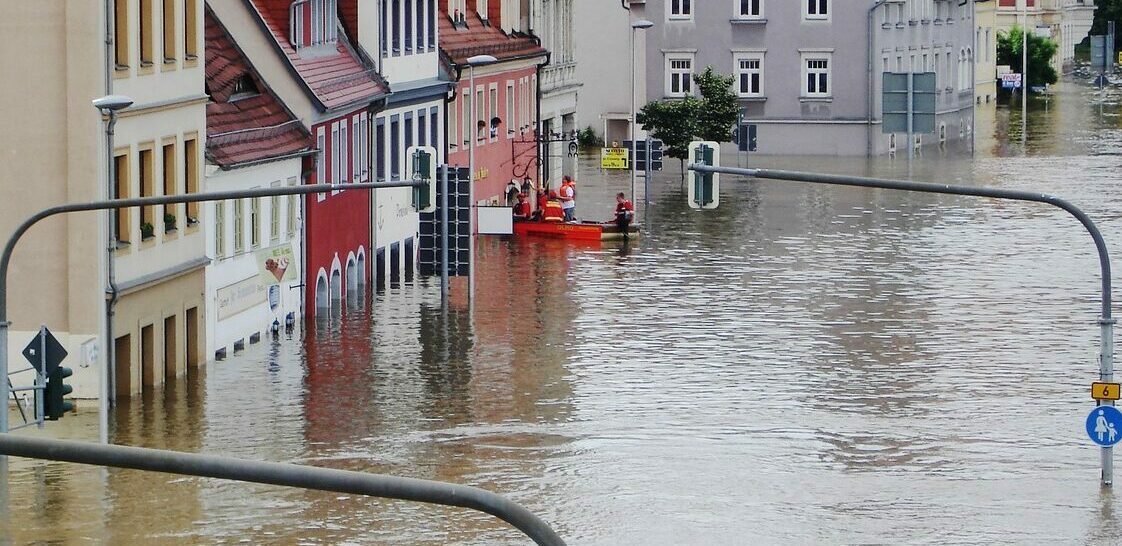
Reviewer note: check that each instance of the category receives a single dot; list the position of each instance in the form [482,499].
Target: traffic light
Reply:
[422,160]
[704,188]
[53,404]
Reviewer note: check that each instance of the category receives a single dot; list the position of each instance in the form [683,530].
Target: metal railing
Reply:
[284,474]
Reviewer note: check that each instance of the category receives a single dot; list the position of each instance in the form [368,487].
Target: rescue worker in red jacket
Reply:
[553,211]
[625,213]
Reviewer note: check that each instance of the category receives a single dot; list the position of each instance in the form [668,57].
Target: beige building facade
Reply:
[985,48]
[60,274]
[1067,22]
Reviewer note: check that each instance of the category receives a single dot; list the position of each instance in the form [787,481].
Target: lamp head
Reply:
[112,103]
[642,24]
[480,60]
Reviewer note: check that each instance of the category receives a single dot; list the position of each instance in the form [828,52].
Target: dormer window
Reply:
[244,88]
[313,23]
[457,9]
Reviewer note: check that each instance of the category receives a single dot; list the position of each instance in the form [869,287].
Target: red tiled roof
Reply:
[250,129]
[335,80]
[480,39]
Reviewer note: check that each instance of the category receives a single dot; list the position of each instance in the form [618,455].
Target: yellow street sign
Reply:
[613,158]
[1106,391]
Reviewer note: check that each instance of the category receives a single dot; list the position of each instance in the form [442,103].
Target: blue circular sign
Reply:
[1104,425]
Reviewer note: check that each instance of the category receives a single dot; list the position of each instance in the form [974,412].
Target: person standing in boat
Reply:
[625,213]
[568,196]
[521,209]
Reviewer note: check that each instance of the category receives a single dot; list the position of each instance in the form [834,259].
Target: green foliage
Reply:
[1108,10]
[587,138]
[677,122]
[1040,53]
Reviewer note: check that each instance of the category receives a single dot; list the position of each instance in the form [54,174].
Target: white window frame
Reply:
[290,215]
[219,229]
[812,10]
[467,130]
[321,160]
[671,72]
[239,226]
[684,10]
[740,59]
[356,157]
[805,58]
[344,152]
[738,9]
[509,109]
[492,109]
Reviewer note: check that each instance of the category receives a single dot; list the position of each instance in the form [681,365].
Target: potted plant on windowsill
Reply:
[147,231]
[170,223]
[192,221]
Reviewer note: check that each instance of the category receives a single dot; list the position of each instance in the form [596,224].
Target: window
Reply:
[147,213]
[396,8]
[191,29]
[121,34]
[169,31]
[434,128]
[344,152]
[680,74]
[422,128]
[817,70]
[509,109]
[290,218]
[383,37]
[219,229]
[274,217]
[408,132]
[409,26]
[432,24]
[465,112]
[255,222]
[239,225]
[749,9]
[395,148]
[333,175]
[313,22]
[244,87]
[321,159]
[749,75]
[171,212]
[817,9]
[191,176]
[145,32]
[453,127]
[480,113]
[419,22]
[493,105]
[121,191]
[681,9]
[356,157]
[380,151]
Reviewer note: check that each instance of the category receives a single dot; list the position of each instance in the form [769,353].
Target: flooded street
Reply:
[805,364]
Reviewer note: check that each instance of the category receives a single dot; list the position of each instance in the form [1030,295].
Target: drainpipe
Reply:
[110,370]
[869,101]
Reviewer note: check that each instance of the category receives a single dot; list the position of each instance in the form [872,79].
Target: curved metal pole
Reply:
[291,475]
[1106,321]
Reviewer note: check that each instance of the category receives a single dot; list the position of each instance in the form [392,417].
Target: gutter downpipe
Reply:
[107,377]
[872,81]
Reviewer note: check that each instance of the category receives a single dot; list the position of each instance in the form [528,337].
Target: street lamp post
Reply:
[1024,77]
[641,24]
[108,105]
[472,62]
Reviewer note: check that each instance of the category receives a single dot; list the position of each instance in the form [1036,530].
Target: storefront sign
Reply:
[240,296]
[276,264]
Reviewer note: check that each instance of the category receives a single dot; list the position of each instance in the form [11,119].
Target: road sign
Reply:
[1011,81]
[1106,391]
[613,158]
[1104,425]
[55,353]
[641,153]
[908,95]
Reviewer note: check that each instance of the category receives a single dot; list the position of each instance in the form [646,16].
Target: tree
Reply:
[677,122]
[1107,10]
[1040,53]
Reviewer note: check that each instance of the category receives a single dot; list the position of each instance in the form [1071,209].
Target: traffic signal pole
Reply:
[1106,321]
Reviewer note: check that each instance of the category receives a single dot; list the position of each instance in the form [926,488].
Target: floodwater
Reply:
[805,364]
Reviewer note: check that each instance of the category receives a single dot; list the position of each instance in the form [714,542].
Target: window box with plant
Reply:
[147,231]
[170,223]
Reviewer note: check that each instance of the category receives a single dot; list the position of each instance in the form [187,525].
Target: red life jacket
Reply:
[553,211]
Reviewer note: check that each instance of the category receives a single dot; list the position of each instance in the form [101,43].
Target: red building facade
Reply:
[506,96]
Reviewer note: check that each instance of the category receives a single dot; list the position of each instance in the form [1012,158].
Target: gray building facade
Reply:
[808,72]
